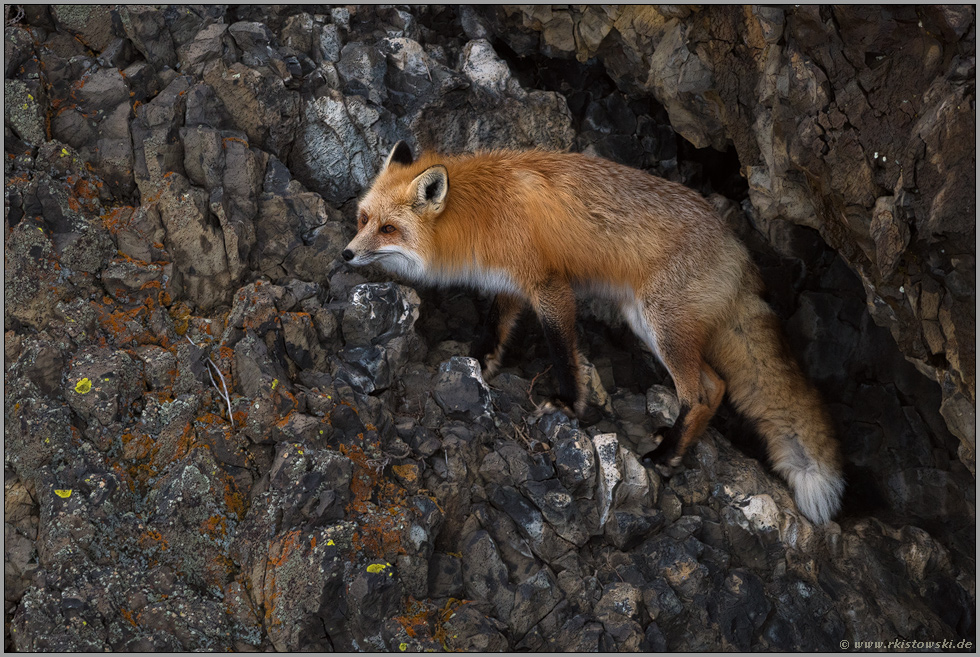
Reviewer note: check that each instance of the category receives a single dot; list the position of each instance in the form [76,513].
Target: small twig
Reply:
[520,433]
[533,381]
[378,465]
[224,388]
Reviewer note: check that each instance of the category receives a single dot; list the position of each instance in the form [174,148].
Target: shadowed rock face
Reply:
[219,437]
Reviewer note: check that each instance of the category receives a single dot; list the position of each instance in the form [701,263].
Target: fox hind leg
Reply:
[699,388]
[699,402]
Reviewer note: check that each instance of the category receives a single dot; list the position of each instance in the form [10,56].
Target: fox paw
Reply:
[544,408]
[663,456]
[491,365]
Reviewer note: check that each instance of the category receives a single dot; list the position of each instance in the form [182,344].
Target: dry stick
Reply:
[520,433]
[531,386]
[224,386]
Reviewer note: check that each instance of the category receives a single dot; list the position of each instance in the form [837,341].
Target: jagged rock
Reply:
[740,608]
[460,391]
[366,369]
[302,345]
[41,361]
[485,575]
[579,634]
[445,576]
[23,112]
[339,148]
[197,246]
[663,406]
[534,599]
[33,287]
[257,102]
[102,384]
[575,462]
[258,370]
[205,46]
[92,24]
[17,47]
[468,630]
[42,424]
[541,537]
[379,312]
[147,28]
[296,235]
[362,69]
[131,282]
[321,467]
[607,450]
[559,510]
[619,611]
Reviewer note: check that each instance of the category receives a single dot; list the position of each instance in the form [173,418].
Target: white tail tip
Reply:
[818,490]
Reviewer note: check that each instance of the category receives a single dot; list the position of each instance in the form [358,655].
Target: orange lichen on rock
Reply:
[128,327]
[187,441]
[444,615]
[417,619]
[181,315]
[364,479]
[152,538]
[279,551]
[379,505]
[235,502]
[380,534]
[216,527]
[408,472]
[128,615]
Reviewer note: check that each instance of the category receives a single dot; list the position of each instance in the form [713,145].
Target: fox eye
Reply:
[387,228]
[363,219]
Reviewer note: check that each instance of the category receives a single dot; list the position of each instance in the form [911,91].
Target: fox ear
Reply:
[400,154]
[430,188]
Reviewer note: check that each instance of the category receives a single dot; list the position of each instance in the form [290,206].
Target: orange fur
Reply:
[532,226]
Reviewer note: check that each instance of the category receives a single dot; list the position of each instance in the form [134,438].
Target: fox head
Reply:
[394,218]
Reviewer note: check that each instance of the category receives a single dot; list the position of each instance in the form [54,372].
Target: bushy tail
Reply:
[766,385]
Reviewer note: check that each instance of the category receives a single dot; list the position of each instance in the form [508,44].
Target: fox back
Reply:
[505,220]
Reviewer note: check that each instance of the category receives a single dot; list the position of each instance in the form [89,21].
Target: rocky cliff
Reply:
[218,436]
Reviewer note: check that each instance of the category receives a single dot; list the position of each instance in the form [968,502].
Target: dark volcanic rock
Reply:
[218,436]
[461,392]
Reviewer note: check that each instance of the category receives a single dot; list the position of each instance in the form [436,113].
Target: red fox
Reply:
[533,227]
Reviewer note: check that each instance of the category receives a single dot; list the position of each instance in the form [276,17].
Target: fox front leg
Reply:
[554,304]
[504,313]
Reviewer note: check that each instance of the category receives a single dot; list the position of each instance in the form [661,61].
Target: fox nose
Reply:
[348,255]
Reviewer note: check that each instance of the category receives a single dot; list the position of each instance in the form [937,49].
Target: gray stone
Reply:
[378,312]
[460,391]
[146,27]
[575,462]
[485,576]
[22,110]
[467,630]
[533,600]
